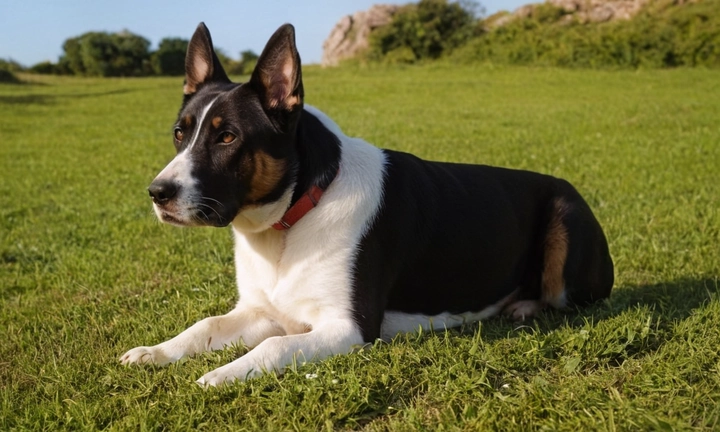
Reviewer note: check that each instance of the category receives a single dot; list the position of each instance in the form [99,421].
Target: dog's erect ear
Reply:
[201,63]
[277,75]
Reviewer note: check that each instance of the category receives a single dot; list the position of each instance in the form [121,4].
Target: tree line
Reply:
[125,54]
[666,33]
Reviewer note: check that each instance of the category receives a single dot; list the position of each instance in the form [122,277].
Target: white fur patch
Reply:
[399,322]
[199,123]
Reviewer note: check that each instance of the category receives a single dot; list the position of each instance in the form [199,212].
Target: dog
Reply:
[339,243]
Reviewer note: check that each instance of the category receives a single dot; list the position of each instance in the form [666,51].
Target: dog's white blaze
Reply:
[199,123]
[180,171]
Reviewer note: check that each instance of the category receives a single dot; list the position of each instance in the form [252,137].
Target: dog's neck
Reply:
[318,152]
[257,218]
[318,162]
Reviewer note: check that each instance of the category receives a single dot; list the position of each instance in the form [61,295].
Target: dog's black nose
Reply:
[162,191]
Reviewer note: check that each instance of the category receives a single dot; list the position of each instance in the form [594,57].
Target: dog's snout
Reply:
[162,191]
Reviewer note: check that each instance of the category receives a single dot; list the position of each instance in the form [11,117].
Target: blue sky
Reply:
[32,31]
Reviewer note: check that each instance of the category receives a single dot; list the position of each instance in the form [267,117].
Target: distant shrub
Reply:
[105,54]
[8,77]
[126,54]
[425,30]
[45,68]
[243,66]
[169,59]
[11,65]
[248,60]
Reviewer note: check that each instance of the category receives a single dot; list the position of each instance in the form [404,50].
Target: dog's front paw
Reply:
[212,379]
[141,355]
[228,374]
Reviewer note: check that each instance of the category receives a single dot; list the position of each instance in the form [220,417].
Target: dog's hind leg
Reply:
[576,265]
[554,257]
[587,272]
[246,324]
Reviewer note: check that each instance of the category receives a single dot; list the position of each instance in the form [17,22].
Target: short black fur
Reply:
[457,238]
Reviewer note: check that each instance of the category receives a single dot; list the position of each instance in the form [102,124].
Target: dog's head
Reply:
[235,142]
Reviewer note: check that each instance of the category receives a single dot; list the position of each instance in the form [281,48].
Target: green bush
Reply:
[104,54]
[169,59]
[11,65]
[8,77]
[46,68]
[426,30]
[243,66]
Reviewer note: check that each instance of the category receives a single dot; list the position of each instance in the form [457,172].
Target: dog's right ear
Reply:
[277,75]
[201,63]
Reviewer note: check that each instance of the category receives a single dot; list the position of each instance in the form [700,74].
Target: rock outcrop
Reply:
[600,10]
[583,11]
[350,35]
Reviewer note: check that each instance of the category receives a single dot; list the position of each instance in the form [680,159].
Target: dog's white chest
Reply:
[280,275]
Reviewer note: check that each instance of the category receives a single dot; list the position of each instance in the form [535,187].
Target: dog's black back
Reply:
[457,237]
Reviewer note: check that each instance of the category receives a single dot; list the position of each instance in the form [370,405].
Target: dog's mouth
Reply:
[171,219]
[191,217]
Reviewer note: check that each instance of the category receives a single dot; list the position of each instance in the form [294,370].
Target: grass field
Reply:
[86,272]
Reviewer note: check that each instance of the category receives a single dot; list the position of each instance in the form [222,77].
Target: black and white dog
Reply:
[337,242]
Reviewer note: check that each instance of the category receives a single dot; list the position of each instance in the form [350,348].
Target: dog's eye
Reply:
[178,134]
[227,137]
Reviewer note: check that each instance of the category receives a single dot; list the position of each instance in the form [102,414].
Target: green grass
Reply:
[86,272]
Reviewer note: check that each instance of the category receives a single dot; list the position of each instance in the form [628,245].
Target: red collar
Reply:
[306,203]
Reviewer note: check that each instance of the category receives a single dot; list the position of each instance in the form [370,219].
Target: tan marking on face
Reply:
[266,175]
[186,121]
[556,250]
[216,122]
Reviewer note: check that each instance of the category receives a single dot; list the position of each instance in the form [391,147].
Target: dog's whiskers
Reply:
[213,200]
[204,214]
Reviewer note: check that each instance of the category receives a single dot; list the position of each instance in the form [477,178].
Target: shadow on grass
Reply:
[670,301]
[676,299]
[48,99]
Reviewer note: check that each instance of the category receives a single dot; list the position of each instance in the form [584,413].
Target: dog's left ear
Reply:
[201,63]
[277,75]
